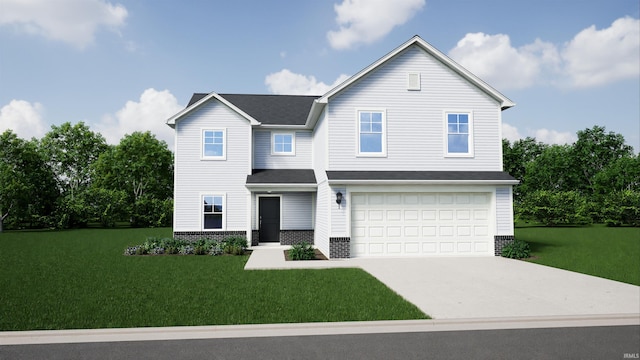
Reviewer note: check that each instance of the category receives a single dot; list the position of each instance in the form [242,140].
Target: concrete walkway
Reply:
[480,287]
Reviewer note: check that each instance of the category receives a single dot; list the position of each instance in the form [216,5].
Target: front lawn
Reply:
[80,279]
[608,252]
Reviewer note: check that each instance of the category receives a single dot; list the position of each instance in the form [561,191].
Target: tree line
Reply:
[72,178]
[594,180]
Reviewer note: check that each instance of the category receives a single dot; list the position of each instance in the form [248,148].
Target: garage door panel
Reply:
[396,224]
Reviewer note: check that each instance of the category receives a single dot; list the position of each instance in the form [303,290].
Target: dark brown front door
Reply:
[269,211]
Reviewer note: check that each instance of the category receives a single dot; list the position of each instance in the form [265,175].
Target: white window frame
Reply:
[383,153]
[224,210]
[469,152]
[224,144]
[283,153]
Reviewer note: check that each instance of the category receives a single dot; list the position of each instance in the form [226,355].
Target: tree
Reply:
[593,152]
[552,170]
[27,185]
[516,157]
[621,174]
[142,166]
[70,150]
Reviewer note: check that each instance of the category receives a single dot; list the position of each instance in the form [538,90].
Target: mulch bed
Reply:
[319,255]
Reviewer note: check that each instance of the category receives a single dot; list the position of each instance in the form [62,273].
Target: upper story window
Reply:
[371,133]
[283,144]
[214,144]
[213,211]
[459,134]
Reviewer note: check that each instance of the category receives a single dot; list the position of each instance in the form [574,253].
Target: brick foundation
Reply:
[339,247]
[501,241]
[210,235]
[292,237]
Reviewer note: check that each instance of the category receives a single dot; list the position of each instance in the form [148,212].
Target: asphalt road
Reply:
[610,342]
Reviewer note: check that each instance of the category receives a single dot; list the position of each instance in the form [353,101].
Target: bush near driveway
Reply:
[79,279]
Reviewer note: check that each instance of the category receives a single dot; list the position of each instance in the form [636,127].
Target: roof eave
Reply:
[422,182]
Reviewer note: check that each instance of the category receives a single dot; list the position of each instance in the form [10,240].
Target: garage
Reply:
[421,224]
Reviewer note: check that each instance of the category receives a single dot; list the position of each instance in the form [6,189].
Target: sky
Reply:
[128,65]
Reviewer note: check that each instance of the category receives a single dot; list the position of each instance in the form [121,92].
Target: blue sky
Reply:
[122,66]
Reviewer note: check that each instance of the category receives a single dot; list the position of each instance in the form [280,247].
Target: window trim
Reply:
[383,153]
[470,152]
[224,144]
[293,143]
[224,210]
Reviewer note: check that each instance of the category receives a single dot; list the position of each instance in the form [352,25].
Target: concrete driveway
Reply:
[481,287]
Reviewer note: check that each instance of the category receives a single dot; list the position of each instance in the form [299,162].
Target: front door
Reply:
[269,211]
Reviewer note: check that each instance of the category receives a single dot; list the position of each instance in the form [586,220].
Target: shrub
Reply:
[622,208]
[234,245]
[518,249]
[303,251]
[554,208]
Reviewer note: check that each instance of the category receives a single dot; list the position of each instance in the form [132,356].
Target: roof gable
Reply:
[198,100]
[505,102]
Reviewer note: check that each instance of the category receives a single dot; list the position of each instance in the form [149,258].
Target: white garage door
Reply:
[397,224]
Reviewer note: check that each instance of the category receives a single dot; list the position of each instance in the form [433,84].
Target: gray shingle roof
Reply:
[421,175]
[269,109]
[281,176]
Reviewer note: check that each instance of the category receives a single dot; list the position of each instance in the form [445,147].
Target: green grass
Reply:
[611,253]
[80,279]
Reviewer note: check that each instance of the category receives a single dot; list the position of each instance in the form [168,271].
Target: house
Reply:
[402,159]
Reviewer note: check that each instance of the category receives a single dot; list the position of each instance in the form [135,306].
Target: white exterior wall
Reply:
[263,159]
[504,211]
[322,205]
[195,177]
[322,226]
[414,119]
[297,211]
[339,214]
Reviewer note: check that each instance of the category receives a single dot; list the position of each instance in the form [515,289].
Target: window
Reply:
[459,140]
[371,137]
[413,81]
[213,144]
[283,144]
[213,209]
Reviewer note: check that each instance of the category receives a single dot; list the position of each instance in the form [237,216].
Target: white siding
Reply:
[321,233]
[264,160]
[195,177]
[504,211]
[339,214]
[297,211]
[415,119]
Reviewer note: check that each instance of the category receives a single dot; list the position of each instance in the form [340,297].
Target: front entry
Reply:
[269,212]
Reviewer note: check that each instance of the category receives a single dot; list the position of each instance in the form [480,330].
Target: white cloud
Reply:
[365,21]
[493,59]
[287,82]
[23,118]
[510,133]
[594,57]
[546,136]
[148,114]
[71,21]
[552,136]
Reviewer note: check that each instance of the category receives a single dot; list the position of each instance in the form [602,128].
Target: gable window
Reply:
[213,211]
[214,144]
[371,133]
[283,144]
[459,139]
